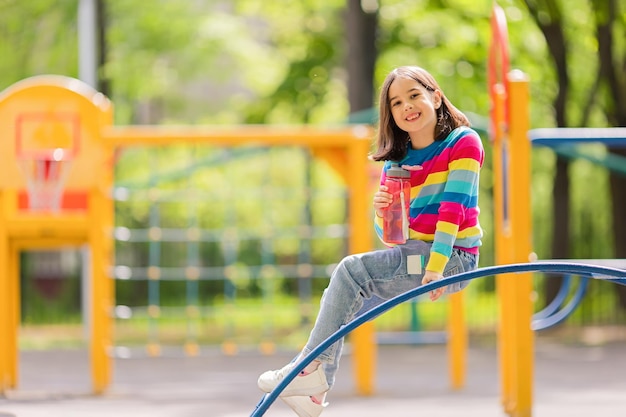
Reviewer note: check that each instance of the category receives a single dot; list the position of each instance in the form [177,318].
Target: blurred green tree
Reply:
[253,61]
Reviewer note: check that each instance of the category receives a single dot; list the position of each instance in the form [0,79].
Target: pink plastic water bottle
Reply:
[396,216]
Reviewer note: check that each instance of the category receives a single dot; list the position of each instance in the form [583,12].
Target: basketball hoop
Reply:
[46,173]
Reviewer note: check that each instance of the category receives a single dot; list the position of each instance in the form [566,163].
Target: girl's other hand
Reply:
[382,199]
[430,276]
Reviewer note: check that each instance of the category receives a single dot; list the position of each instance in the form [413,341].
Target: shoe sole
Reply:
[318,385]
[294,404]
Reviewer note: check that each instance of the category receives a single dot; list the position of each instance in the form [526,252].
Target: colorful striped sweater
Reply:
[444,195]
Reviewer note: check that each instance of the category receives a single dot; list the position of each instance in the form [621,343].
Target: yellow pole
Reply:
[457,342]
[100,238]
[513,245]
[503,239]
[4,300]
[107,254]
[521,225]
[14,313]
[506,347]
[364,338]
[100,294]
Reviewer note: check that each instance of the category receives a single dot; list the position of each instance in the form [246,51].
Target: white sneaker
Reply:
[304,406]
[310,384]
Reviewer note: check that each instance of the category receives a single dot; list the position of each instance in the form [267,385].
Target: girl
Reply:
[420,129]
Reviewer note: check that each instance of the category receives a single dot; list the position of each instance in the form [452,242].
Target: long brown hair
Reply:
[392,142]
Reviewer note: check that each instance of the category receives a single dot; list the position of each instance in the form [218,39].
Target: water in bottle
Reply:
[396,216]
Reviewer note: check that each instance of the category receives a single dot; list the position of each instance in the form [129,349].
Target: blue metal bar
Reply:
[612,136]
[558,300]
[564,313]
[614,275]
[613,162]
[564,140]
[561,315]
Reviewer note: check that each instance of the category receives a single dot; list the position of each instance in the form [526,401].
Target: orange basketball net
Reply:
[45,175]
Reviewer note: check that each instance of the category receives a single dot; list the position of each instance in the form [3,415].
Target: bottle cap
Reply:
[396,171]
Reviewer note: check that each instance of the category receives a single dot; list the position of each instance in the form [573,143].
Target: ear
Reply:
[437,99]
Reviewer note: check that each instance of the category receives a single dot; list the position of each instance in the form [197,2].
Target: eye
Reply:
[414,96]
[395,103]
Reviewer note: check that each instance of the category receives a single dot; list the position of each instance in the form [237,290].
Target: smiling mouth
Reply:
[412,117]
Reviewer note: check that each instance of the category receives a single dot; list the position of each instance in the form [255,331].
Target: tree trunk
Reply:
[103,82]
[561,235]
[547,15]
[361,56]
[561,209]
[613,79]
[618,192]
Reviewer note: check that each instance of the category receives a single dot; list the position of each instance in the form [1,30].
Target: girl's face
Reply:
[414,108]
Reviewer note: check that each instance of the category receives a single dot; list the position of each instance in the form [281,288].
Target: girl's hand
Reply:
[382,199]
[430,276]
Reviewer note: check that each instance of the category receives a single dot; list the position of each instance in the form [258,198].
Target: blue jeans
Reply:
[361,282]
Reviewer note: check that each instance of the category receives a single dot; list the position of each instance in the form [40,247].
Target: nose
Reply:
[408,106]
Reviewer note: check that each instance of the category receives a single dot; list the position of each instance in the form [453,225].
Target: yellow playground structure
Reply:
[57,156]
[56,177]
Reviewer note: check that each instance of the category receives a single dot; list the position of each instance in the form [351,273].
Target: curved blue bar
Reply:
[614,275]
[558,300]
[561,315]
[555,313]
[612,136]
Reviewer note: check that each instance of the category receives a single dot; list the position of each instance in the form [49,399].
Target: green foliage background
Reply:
[272,62]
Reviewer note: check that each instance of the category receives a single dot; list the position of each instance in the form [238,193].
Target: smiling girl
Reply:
[420,129]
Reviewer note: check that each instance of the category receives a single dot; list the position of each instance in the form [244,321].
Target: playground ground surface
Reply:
[573,380]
